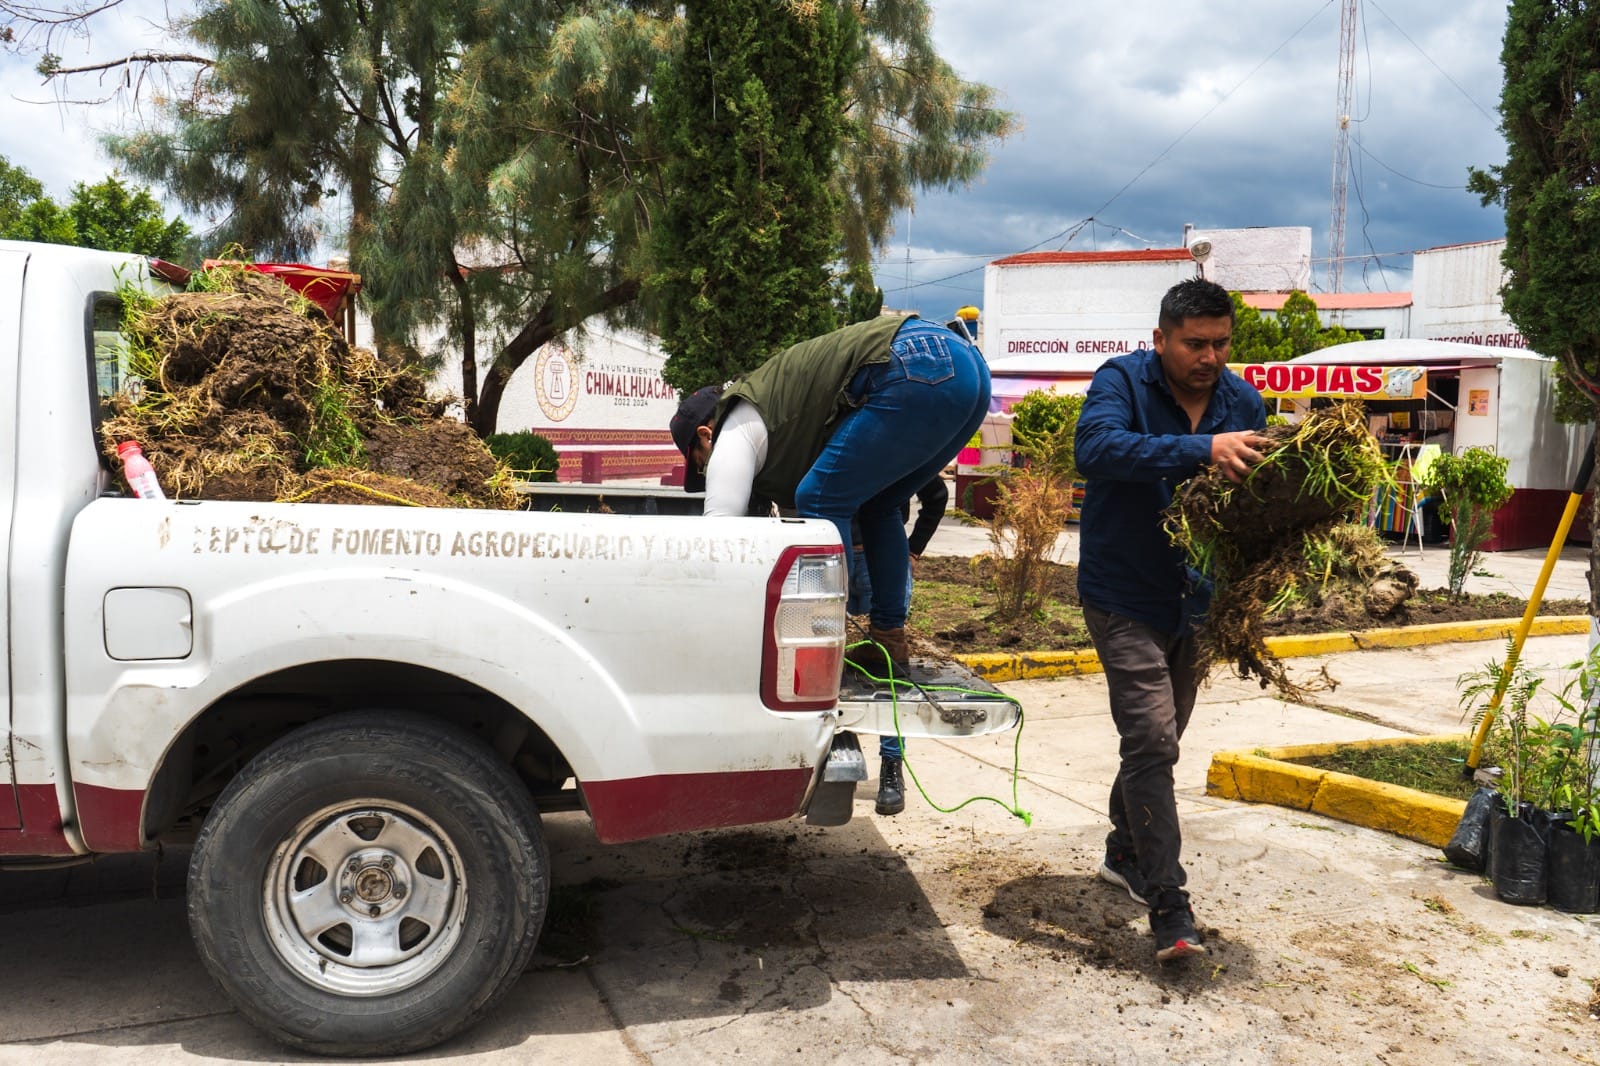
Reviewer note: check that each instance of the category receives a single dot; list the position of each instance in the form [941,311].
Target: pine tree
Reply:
[912,122]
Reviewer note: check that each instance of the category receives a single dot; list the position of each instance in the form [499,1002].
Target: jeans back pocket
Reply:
[923,355]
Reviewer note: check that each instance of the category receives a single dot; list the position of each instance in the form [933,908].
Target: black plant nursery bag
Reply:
[1469,844]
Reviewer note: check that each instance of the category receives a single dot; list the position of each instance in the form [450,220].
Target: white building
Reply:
[598,397]
[1074,310]
[1457,290]
[1255,259]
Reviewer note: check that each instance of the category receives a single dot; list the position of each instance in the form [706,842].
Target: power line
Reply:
[1429,58]
[1072,231]
[1415,181]
[1224,99]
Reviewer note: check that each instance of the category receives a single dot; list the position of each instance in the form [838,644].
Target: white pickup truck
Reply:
[356,715]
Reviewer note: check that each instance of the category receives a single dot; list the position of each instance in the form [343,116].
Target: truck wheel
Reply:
[371,884]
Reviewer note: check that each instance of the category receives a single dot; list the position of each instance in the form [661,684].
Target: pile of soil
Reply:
[240,389]
[953,611]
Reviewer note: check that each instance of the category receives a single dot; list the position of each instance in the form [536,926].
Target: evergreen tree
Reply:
[500,160]
[912,122]
[858,297]
[1550,188]
[750,106]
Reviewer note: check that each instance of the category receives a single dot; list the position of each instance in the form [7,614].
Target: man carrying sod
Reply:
[1151,420]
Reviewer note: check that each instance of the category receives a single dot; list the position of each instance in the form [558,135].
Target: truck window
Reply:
[110,351]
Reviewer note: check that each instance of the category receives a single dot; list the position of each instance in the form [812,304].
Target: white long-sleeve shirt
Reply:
[740,454]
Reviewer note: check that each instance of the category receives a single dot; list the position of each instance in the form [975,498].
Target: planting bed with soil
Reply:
[953,606]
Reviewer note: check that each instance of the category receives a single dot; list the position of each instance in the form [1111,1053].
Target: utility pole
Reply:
[1341,143]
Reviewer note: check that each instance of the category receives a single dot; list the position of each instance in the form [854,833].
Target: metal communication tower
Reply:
[1341,143]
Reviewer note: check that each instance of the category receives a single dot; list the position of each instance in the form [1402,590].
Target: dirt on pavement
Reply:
[1326,943]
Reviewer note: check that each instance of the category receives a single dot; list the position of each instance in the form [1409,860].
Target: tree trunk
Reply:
[467,323]
[540,330]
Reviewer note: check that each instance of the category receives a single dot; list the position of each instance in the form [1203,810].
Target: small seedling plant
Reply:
[1542,736]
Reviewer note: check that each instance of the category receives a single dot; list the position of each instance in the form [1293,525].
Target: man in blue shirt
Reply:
[1151,420]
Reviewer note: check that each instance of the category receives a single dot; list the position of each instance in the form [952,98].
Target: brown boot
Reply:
[864,659]
[895,644]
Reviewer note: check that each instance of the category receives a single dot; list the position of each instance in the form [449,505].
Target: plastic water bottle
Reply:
[140,474]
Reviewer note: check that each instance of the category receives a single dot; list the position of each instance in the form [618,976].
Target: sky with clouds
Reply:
[1221,115]
[1137,116]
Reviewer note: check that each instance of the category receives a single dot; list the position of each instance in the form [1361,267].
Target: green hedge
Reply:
[531,456]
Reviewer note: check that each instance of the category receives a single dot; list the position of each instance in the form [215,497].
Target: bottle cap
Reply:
[127,446]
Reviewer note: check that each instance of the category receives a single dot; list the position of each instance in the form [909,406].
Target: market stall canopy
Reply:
[1414,351]
[1006,387]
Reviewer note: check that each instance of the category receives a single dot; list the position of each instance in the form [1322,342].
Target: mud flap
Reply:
[833,800]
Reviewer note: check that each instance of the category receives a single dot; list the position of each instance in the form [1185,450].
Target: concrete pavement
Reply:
[934,937]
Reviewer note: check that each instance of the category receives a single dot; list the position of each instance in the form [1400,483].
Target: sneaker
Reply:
[1119,869]
[1172,924]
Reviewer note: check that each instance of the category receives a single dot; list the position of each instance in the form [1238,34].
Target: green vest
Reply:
[800,393]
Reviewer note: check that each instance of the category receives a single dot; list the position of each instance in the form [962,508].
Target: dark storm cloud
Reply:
[1104,88]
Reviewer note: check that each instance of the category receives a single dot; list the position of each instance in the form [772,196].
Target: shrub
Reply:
[1474,486]
[529,455]
[1034,501]
[1042,428]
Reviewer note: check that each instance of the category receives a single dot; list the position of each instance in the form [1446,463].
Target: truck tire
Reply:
[371,884]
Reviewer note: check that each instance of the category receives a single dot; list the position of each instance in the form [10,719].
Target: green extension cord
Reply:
[1014,808]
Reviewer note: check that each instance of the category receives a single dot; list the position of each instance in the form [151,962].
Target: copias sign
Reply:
[1296,380]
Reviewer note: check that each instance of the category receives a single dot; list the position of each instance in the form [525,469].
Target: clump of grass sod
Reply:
[1263,543]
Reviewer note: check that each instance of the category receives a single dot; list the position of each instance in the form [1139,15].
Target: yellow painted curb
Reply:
[1041,665]
[1266,776]
[1030,666]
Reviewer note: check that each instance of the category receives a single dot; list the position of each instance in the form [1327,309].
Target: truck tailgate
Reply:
[942,699]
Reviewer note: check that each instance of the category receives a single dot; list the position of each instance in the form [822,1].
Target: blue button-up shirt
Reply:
[1134,445]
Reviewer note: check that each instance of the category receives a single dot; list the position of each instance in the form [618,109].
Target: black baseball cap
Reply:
[694,411]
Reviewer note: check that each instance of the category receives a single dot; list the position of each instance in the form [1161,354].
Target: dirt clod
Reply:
[239,389]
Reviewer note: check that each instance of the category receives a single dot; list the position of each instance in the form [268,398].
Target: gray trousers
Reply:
[1153,681]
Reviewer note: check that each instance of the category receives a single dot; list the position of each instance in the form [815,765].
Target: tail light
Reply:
[802,643]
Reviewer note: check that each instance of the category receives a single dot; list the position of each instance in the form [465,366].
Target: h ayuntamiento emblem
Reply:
[555,382]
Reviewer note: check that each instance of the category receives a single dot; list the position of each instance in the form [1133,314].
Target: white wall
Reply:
[1079,314]
[1456,296]
[1481,430]
[1394,321]
[607,380]
[1547,453]
[1258,259]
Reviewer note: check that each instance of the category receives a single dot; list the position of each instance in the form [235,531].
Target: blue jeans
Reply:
[917,411]
[860,602]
